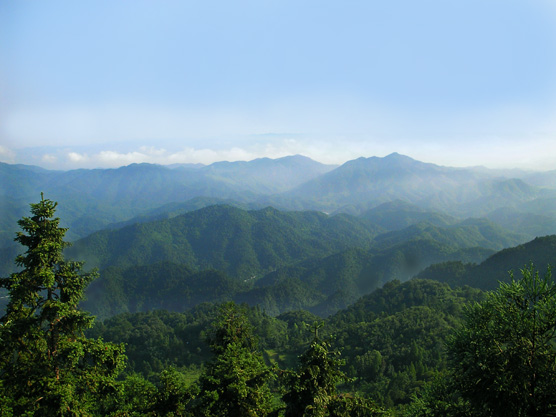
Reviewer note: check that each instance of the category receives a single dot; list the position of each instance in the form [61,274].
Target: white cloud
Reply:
[329,132]
[49,159]
[77,157]
[7,155]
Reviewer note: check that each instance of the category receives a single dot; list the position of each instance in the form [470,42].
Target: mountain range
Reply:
[283,234]
[91,200]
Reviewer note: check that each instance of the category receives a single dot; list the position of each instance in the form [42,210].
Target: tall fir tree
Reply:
[47,366]
[312,389]
[235,382]
[504,357]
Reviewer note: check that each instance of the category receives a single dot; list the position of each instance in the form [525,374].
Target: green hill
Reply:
[392,339]
[161,286]
[243,244]
[465,234]
[398,214]
[541,251]
[327,285]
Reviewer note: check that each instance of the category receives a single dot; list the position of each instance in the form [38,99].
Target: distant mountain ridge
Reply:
[365,183]
[91,200]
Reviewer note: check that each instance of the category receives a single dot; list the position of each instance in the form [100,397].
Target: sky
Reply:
[104,83]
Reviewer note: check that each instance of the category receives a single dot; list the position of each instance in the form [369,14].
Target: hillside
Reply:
[392,339]
[244,244]
[466,234]
[540,251]
[161,286]
[364,183]
[91,199]
[321,277]
[94,199]
[398,214]
[327,285]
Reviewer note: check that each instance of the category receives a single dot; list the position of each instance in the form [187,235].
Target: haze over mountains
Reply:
[91,200]
[283,234]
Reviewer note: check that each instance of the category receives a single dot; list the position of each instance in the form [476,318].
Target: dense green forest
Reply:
[176,345]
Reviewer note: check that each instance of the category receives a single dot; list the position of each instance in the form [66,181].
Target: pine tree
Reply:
[312,389]
[235,382]
[47,366]
[504,357]
[313,386]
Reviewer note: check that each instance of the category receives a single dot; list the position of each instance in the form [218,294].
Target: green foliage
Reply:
[159,339]
[47,366]
[243,244]
[136,397]
[163,285]
[235,381]
[504,357]
[393,339]
[488,274]
[346,405]
[311,390]
[440,398]
[312,386]
[174,394]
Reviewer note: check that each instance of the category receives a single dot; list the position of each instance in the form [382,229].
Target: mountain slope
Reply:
[326,285]
[161,286]
[267,176]
[541,251]
[365,183]
[466,234]
[398,214]
[241,243]
[91,199]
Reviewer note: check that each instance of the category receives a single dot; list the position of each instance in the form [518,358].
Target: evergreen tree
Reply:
[47,366]
[235,382]
[504,357]
[311,390]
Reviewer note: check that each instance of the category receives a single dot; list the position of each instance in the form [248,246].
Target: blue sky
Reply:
[107,83]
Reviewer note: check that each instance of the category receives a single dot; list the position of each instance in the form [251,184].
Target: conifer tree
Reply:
[504,357]
[47,366]
[312,389]
[235,382]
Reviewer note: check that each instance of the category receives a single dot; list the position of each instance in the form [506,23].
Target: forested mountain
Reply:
[488,274]
[278,260]
[322,279]
[91,200]
[160,286]
[465,234]
[169,276]
[327,285]
[244,244]
[392,339]
[364,183]
[295,260]
[320,285]
[398,214]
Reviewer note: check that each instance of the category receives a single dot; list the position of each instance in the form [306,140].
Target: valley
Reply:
[385,253]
